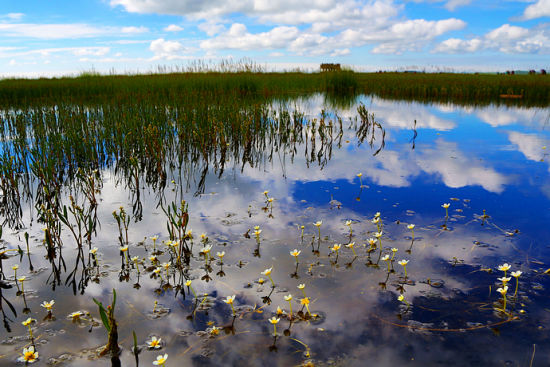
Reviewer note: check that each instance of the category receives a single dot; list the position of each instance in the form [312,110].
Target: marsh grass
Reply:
[255,86]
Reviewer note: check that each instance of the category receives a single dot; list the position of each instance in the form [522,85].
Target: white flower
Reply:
[229,300]
[504,267]
[154,343]
[516,274]
[503,291]
[161,360]
[403,262]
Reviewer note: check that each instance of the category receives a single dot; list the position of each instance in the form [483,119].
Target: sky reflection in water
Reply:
[491,159]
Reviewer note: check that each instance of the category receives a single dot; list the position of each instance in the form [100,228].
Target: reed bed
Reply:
[470,89]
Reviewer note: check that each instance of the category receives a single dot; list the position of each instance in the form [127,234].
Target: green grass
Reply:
[256,86]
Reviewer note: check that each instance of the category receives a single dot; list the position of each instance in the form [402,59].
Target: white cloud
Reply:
[51,31]
[45,52]
[93,51]
[164,49]
[410,35]
[211,28]
[13,16]
[506,39]
[238,37]
[63,31]
[453,4]
[507,32]
[530,145]
[455,45]
[173,28]
[134,29]
[537,10]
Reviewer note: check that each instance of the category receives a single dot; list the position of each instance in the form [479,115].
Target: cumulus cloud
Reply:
[537,10]
[410,35]
[308,27]
[169,50]
[238,37]
[506,39]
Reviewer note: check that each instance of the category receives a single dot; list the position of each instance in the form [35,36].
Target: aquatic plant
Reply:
[267,272]
[109,322]
[503,290]
[401,298]
[446,206]
[229,300]
[516,274]
[404,263]
[28,323]
[288,298]
[29,355]
[295,253]
[505,267]
[274,321]
[154,343]
[318,225]
[411,227]
[161,360]
[351,245]
[48,306]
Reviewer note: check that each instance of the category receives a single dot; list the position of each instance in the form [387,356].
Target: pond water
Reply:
[490,164]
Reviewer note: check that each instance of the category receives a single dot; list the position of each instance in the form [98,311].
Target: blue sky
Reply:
[127,36]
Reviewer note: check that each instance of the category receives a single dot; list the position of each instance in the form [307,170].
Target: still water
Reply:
[490,164]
